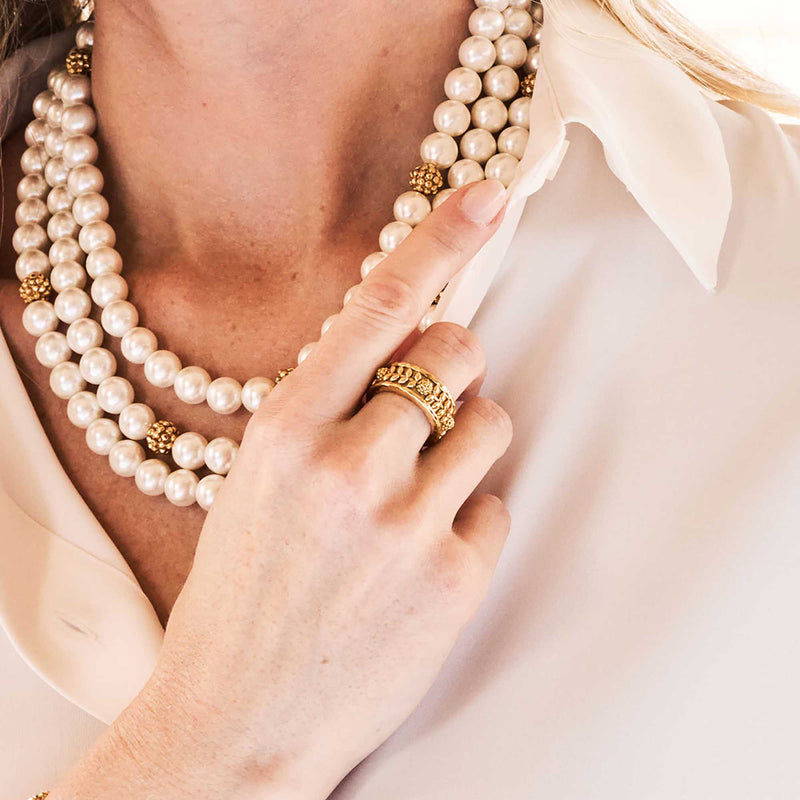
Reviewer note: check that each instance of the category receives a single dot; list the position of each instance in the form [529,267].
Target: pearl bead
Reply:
[62,225]
[31,210]
[532,59]
[476,52]
[31,261]
[65,380]
[84,334]
[125,456]
[119,317]
[441,196]
[84,36]
[502,167]
[207,489]
[518,22]
[478,145]
[41,103]
[180,487]
[65,249]
[72,304]
[305,352]
[96,234]
[519,112]
[52,348]
[29,237]
[451,117]
[464,172]
[224,395]
[78,119]
[33,159]
[462,84]
[102,435]
[513,140]
[139,343]
[537,12]
[392,235]
[327,323]
[487,22]
[501,82]
[54,142]
[488,113]
[97,364]
[80,149]
[59,198]
[114,394]
[440,149]
[54,112]
[39,317]
[161,368]
[67,275]
[511,51]
[191,385]
[83,409]
[372,261]
[255,390]
[57,81]
[76,89]
[135,420]
[220,453]
[90,207]
[150,477]
[348,295]
[525,4]
[109,287]
[425,322]
[413,207]
[85,178]
[102,261]
[188,450]
[56,171]
[32,186]
[500,5]
[36,131]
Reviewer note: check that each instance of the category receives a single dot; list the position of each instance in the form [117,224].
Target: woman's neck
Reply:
[263,130]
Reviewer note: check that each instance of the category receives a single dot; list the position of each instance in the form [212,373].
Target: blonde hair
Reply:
[653,22]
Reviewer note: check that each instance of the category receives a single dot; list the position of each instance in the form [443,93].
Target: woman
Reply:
[248,154]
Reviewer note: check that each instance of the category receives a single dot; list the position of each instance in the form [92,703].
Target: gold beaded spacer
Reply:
[526,85]
[426,178]
[282,374]
[40,796]
[79,61]
[35,287]
[161,435]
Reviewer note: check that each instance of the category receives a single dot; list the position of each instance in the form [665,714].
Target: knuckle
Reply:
[387,301]
[452,342]
[494,417]
[446,239]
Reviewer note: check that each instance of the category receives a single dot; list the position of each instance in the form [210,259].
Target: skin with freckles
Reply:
[251,154]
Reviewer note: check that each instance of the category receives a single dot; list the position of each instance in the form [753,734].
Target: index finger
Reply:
[389,304]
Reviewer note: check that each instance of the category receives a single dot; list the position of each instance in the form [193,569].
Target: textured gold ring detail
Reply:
[422,388]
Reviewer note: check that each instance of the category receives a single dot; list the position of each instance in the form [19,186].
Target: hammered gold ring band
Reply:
[423,389]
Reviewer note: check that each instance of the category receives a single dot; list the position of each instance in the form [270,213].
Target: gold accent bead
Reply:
[161,435]
[526,85]
[40,796]
[283,373]
[79,61]
[35,287]
[426,178]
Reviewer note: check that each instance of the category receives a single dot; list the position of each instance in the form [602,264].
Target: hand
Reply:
[338,564]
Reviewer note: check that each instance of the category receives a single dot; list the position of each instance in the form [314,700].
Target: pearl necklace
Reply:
[63,240]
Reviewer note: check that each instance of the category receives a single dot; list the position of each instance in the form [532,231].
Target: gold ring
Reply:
[422,388]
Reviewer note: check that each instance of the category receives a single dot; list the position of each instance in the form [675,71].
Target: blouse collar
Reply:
[657,130]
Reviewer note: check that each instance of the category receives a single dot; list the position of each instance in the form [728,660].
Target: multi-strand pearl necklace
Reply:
[64,242]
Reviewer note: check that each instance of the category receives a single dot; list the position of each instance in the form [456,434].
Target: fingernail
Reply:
[483,200]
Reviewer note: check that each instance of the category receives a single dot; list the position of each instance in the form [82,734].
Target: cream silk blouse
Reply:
[640,309]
